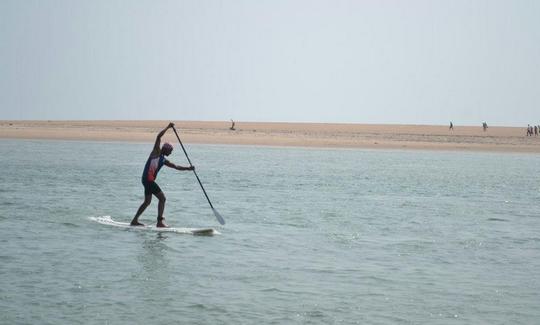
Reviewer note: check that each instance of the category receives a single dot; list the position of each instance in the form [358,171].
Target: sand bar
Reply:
[427,137]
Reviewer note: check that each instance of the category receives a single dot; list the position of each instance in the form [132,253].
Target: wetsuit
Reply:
[151,169]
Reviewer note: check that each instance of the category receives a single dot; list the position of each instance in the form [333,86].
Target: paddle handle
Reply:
[191,165]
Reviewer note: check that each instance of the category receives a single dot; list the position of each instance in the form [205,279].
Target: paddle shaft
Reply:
[191,165]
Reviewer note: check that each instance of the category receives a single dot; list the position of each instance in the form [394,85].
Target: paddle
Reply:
[218,216]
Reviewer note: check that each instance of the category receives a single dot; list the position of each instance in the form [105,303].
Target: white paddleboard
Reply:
[107,220]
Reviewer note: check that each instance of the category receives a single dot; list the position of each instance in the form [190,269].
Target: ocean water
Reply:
[313,236]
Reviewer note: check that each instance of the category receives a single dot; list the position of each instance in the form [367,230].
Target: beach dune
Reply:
[429,137]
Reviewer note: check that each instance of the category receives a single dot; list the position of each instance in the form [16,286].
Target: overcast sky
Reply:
[358,61]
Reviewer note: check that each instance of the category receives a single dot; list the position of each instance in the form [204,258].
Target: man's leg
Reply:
[144,205]
[161,208]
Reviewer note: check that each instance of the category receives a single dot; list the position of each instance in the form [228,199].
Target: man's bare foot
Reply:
[161,224]
[136,223]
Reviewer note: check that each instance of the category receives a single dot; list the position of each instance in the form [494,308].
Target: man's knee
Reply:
[147,201]
[161,197]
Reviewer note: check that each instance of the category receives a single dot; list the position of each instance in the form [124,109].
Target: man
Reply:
[154,163]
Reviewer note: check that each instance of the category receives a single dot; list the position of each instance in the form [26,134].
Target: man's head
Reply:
[166,149]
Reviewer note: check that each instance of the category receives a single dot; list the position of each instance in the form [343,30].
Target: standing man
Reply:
[155,161]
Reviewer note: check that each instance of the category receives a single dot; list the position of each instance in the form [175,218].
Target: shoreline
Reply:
[323,135]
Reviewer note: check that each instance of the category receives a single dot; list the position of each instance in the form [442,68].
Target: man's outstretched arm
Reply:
[177,167]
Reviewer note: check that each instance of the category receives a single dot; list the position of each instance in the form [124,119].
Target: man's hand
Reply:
[191,168]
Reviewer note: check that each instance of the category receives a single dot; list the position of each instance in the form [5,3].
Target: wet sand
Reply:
[427,137]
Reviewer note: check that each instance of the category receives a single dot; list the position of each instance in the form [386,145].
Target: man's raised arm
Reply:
[156,151]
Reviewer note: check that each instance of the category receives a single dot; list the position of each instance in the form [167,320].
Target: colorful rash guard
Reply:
[152,167]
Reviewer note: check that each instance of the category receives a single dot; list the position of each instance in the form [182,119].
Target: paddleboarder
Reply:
[154,163]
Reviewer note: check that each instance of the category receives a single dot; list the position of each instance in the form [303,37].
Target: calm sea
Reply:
[313,236]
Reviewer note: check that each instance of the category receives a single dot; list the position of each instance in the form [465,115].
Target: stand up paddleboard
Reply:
[107,220]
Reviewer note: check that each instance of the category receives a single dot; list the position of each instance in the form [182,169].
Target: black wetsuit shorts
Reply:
[151,188]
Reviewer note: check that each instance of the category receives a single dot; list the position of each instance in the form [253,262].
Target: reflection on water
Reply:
[153,256]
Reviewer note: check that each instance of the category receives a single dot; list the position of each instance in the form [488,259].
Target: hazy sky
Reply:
[358,61]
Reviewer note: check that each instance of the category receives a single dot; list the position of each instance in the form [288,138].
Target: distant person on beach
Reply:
[232,126]
[484,126]
[535,130]
[451,126]
[529,132]
[155,161]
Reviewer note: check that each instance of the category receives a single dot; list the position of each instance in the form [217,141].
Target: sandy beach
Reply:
[428,137]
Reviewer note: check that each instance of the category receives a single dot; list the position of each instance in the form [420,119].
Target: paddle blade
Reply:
[218,216]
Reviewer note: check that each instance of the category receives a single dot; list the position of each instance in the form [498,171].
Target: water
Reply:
[312,237]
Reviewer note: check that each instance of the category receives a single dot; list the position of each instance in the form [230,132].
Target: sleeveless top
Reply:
[152,167]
